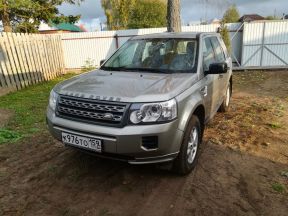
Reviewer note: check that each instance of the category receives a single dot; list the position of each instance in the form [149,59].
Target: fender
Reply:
[188,101]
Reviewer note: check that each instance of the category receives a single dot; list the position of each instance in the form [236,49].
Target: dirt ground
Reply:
[243,167]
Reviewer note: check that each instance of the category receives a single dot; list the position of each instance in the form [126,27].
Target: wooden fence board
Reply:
[43,54]
[52,56]
[4,66]
[32,59]
[16,59]
[2,79]
[41,60]
[59,53]
[22,70]
[56,56]
[10,61]
[26,59]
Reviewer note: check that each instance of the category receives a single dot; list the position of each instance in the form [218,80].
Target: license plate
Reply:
[82,142]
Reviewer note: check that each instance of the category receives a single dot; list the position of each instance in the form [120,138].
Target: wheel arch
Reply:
[199,111]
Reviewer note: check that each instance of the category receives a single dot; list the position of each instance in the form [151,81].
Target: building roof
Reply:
[250,17]
[67,27]
[60,27]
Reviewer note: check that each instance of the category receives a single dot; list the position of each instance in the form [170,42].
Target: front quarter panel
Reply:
[188,101]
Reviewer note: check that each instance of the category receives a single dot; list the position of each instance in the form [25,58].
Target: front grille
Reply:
[92,111]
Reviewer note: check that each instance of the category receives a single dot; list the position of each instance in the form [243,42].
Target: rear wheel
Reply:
[189,151]
[226,102]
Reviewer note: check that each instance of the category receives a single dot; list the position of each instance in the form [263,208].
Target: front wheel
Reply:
[189,151]
[226,102]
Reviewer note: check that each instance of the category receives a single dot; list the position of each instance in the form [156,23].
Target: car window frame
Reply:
[221,48]
[202,56]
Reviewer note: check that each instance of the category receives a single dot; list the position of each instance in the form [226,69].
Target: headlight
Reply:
[153,112]
[53,100]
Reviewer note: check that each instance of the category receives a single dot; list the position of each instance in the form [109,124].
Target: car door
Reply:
[220,57]
[210,81]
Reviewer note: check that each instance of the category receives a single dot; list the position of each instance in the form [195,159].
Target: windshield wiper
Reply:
[124,68]
[115,68]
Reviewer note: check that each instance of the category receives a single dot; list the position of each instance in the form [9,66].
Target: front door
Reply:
[220,57]
[211,81]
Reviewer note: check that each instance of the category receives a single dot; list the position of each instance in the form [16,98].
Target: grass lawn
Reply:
[29,109]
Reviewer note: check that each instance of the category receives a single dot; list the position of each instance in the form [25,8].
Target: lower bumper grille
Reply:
[92,111]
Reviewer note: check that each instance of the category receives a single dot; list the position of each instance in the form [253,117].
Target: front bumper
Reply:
[124,143]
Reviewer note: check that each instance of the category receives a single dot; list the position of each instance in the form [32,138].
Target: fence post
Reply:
[117,41]
[262,44]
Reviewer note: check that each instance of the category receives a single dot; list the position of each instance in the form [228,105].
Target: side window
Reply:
[208,54]
[219,54]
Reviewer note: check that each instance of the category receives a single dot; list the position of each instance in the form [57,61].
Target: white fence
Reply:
[78,47]
[256,44]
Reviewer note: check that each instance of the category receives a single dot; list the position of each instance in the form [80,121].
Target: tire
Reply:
[185,161]
[226,102]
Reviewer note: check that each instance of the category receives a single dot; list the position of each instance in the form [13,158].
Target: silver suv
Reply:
[149,102]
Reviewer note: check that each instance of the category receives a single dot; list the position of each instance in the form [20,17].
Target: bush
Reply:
[89,65]
[226,36]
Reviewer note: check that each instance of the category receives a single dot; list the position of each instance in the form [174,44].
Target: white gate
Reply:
[265,44]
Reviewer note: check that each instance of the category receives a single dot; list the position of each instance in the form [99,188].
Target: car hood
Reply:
[126,86]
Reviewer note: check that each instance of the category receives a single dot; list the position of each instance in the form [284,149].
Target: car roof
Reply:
[172,35]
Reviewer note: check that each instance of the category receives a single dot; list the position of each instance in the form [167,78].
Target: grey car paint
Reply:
[138,87]
[189,90]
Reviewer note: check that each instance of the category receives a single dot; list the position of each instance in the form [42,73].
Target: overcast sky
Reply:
[191,10]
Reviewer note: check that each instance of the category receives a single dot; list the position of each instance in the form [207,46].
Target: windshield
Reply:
[155,55]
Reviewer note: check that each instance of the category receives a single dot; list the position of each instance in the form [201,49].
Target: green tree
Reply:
[117,13]
[26,15]
[224,32]
[66,19]
[124,14]
[148,14]
[231,15]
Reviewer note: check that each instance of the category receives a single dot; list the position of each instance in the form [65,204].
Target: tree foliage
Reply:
[231,15]
[224,32]
[124,14]
[26,15]
[148,14]
[272,18]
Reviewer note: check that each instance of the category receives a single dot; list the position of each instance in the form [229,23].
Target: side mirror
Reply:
[102,62]
[218,68]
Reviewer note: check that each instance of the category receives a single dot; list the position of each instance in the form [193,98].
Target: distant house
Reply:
[286,16]
[251,17]
[53,28]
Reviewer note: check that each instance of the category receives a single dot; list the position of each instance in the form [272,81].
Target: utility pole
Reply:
[173,16]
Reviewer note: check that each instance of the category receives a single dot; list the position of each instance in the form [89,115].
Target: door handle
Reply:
[204,91]
[220,76]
